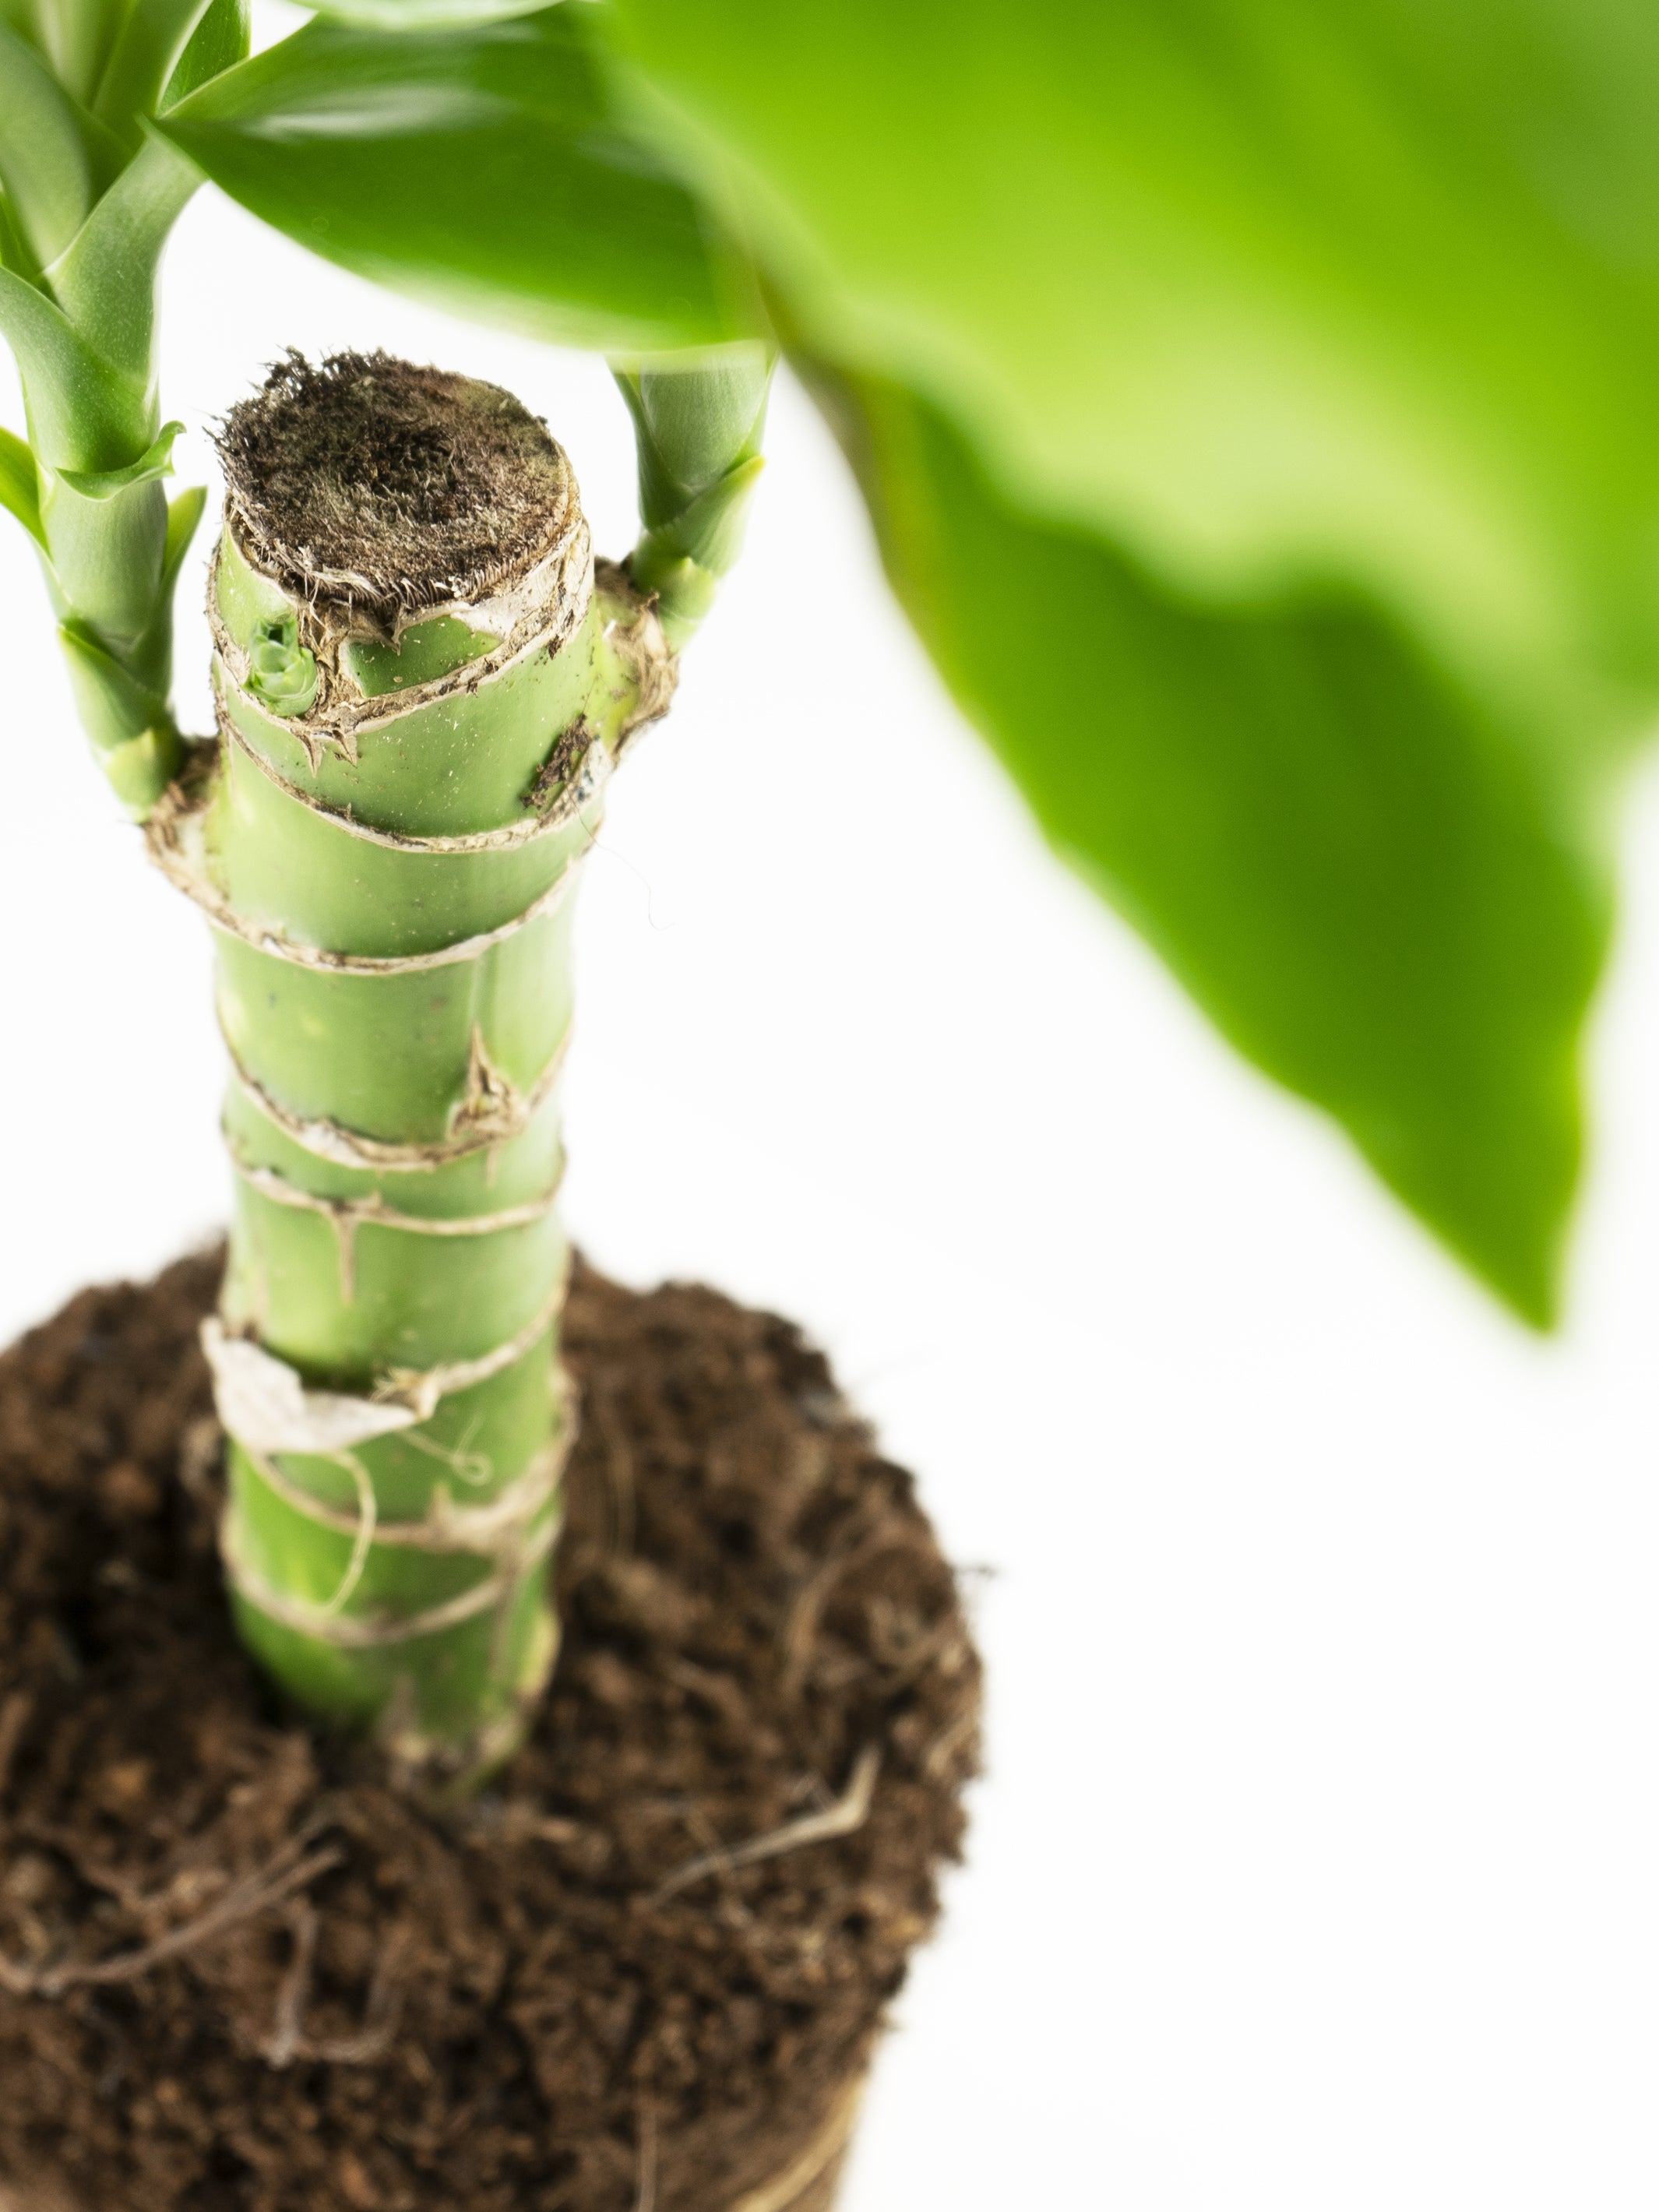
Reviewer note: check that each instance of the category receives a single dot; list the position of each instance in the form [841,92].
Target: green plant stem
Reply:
[388,870]
[89,192]
[698,420]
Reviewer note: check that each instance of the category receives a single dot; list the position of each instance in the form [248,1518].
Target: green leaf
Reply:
[114,706]
[183,516]
[44,161]
[150,659]
[282,673]
[105,283]
[76,37]
[219,40]
[1359,877]
[695,417]
[14,253]
[151,42]
[141,770]
[83,413]
[708,529]
[484,169]
[105,484]
[1267,290]
[19,485]
[1348,306]
[405,16]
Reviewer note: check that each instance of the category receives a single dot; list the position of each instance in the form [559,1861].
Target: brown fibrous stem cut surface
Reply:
[239,1968]
[397,486]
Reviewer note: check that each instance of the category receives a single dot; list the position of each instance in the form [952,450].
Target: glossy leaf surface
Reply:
[1345,862]
[481,168]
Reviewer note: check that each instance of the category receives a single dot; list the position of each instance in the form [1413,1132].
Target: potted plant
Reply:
[1339,758]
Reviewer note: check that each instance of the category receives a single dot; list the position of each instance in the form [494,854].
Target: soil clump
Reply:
[248,1974]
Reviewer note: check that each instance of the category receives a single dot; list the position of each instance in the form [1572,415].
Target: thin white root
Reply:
[284,1874]
[645,2194]
[848,1813]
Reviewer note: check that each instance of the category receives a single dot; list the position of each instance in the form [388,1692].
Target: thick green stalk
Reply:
[413,752]
[87,202]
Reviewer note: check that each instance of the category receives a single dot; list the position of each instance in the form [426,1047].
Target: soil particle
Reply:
[513,2010]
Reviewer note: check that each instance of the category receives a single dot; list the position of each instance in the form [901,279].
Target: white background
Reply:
[1318,1863]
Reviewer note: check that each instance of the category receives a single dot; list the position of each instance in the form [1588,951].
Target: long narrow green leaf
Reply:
[19,485]
[85,415]
[75,36]
[106,282]
[44,163]
[1352,869]
[151,658]
[148,48]
[219,40]
[486,169]
[14,253]
[183,516]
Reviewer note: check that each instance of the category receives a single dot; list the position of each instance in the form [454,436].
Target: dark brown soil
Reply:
[367,2007]
[417,484]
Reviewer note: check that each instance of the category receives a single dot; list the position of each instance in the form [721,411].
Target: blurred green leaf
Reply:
[44,160]
[1321,338]
[1267,289]
[1371,891]
[484,169]
[76,36]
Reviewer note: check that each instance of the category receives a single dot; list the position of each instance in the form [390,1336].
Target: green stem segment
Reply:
[89,193]
[697,426]
[87,485]
[410,766]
